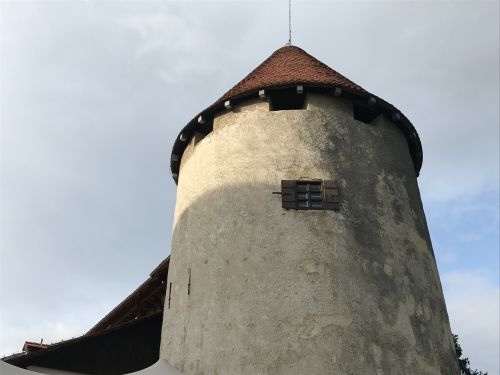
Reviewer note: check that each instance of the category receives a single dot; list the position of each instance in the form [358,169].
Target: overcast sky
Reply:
[94,93]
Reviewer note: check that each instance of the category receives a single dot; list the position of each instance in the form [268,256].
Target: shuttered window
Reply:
[309,195]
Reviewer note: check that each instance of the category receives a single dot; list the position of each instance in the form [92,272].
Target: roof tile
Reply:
[290,65]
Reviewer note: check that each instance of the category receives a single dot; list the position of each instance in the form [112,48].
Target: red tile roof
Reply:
[290,65]
[30,346]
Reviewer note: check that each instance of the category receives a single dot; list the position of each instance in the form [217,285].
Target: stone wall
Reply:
[256,289]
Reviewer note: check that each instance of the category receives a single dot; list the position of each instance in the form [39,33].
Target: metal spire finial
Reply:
[290,22]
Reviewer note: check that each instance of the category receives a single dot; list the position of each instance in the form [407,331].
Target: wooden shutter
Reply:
[330,195]
[289,194]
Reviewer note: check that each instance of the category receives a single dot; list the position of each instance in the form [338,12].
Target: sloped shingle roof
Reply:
[290,65]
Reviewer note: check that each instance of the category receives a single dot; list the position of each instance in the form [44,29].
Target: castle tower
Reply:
[300,245]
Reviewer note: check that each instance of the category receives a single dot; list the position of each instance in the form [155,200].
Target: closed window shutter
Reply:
[331,195]
[289,194]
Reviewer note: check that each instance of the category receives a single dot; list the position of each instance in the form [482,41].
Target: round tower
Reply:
[300,245]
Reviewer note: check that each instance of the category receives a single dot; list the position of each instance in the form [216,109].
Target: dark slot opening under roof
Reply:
[286,99]
[364,112]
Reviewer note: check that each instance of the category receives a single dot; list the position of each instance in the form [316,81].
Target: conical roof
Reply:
[286,67]
[290,65]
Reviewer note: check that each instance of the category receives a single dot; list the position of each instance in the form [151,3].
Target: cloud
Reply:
[472,299]
[93,95]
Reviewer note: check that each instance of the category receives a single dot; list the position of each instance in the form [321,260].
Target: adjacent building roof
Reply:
[122,349]
[146,300]
[134,322]
[286,67]
[30,346]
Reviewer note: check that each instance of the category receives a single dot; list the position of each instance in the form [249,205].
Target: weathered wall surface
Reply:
[276,292]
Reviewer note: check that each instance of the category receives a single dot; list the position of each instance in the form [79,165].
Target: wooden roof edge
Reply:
[21,359]
[129,301]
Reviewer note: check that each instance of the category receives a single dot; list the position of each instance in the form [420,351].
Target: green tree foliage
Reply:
[464,362]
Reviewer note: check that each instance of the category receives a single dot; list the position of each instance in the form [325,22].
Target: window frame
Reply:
[302,195]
